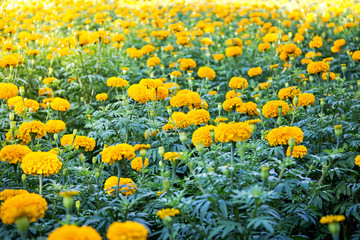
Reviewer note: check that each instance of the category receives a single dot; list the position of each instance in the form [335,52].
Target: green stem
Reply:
[40,183]
[118,165]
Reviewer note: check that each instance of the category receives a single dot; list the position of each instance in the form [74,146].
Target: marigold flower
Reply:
[8,90]
[13,101]
[234,132]
[30,205]
[357,160]
[152,62]
[318,67]
[238,83]
[139,93]
[187,64]
[254,71]
[9,61]
[281,135]
[298,151]
[80,141]
[218,57]
[69,232]
[263,47]
[204,72]
[220,119]
[248,108]
[117,153]
[101,97]
[60,104]
[14,153]
[55,126]
[305,99]
[157,94]
[198,117]
[270,37]
[30,104]
[231,104]
[332,219]
[356,56]
[179,119]
[171,212]
[202,134]
[68,193]
[233,51]
[172,156]
[126,186]
[49,80]
[270,109]
[141,146]
[9,193]
[232,94]
[127,231]
[288,92]
[35,127]
[137,163]
[41,163]
[117,82]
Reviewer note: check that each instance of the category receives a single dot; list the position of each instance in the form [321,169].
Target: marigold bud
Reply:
[338,130]
[264,172]
[200,147]
[166,184]
[11,116]
[161,151]
[143,152]
[77,204]
[183,137]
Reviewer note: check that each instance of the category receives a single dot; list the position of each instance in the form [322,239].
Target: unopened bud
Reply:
[161,151]
[143,152]
[56,136]
[322,102]
[97,174]
[169,110]
[296,99]
[22,90]
[94,160]
[23,177]
[82,157]
[75,132]
[338,130]
[200,147]
[286,84]
[68,202]
[343,67]
[166,184]
[280,110]
[13,125]
[77,204]
[264,172]
[183,137]
[65,171]
[11,116]
[212,133]
[50,71]
[253,127]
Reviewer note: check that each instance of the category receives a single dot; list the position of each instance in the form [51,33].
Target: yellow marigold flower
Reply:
[234,132]
[148,49]
[69,232]
[9,193]
[33,127]
[49,80]
[172,156]
[33,52]
[198,117]
[152,62]
[288,92]
[30,205]
[41,163]
[220,119]
[305,99]
[318,67]
[137,163]
[80,141]
[289,50]
[270,37]
[274,66]
[30,104]
[14,153]
[332,219]
[117,153]
[218,57]
[179,119]
[175,74]
[248,108]
[157,94]
[325,75]
[151,83]
[141,146]
[55,126]
[127,231]
[60,104]
[252,121]
[171,212]
[264,85]
[180,100]
[202,134]
[45,91]
[316,42]
[101,97]
[204,72]
[117,82]
[14,100]
[232,94]
[159,193]
[357,160]
[356,56]
[7,47]
[254,71]
[339,43]
[238,83]
[231,104]
[8,90]
[233,51]
[263,47]
[298,151]
[9,61]
[126,186]
[281,135]
[212,93]
[187,64]
[139,93]
[270,109]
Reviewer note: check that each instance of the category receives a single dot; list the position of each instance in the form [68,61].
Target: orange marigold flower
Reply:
[281,135]
[234,132]
[271,108]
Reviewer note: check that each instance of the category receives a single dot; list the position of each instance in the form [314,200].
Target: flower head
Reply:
[41,163]
[232,132]
[9,193]
[126,186]
[171,212]
[117,153]
[204,72]
[238,83]
[202,134]
[270,109]
[137,163]
[139,93]
[73,232]
[298,151]
[14,153]
[281,135]
[8,90]
[117,82]
[60,104]
[55,126]
[127,231]
[332,219]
